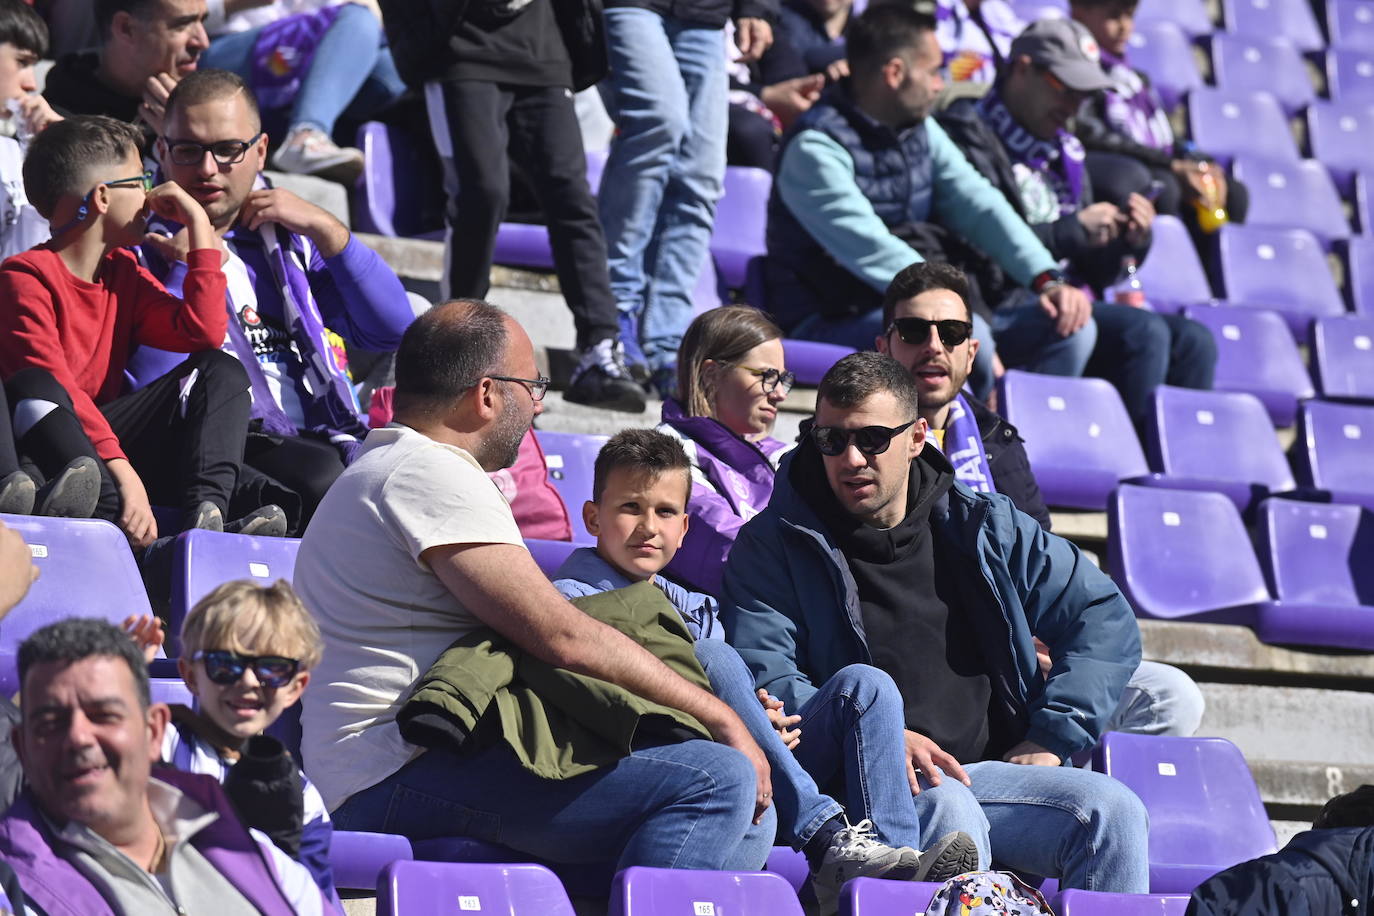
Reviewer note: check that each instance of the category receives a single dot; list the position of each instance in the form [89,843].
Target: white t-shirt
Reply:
[20,225]
[384,615]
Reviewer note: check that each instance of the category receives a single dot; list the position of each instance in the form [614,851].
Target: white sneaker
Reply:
[308,151]
[855,853]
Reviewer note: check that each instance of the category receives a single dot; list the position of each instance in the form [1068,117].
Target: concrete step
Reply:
[1307,785]
[1217,652]
[1335,727]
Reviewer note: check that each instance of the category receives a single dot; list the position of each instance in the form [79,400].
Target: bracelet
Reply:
[1047,279]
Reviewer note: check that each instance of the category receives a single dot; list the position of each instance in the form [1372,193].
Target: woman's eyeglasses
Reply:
[952,331]
[871,440]
[770,379]
[225,667]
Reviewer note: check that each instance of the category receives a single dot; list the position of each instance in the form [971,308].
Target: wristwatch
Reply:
[1047,280]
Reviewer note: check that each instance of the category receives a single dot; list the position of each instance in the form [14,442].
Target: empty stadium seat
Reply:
[1189,15]
[395,195]
[357,857]
[1163,52]
[1350,74]
[1172,273]
[1351,24]
[1279,269]
[1364,203]
[549,554]
[1293,19]
[1334,450]
[410,888]
[810,360]
[1256,354]
[1343,357]
[204,560]
[1338,133]
[1220,441]
[570,458]
[641,891]
[1205,809]
[1298,195]
[741,219]
[1250,63]
[1097,903]
[876,897]
[1360,274]
[1079,440]
[1227,123]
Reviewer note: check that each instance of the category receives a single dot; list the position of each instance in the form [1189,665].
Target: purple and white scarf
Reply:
[1057,163]
[964,448]
[1133,108]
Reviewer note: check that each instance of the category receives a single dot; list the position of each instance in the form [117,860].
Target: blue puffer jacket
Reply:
[1319,873]
[791,608]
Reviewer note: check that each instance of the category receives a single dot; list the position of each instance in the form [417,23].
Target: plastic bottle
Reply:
[1129,290]
[1211,215]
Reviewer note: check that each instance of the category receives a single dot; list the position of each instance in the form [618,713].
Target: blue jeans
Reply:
[1158,700]
[1027,339]
[1084,828]
[352,70]
[686,805]
[667,93]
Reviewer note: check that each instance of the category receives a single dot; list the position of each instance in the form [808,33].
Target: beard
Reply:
[502,443]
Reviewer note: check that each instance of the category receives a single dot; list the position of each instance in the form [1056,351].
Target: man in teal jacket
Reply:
[870,552]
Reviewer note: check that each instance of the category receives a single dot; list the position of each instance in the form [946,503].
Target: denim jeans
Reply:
[1027,339]
[1139,350]
[1158,700]
[667,93]
[686,805]
[1084,828]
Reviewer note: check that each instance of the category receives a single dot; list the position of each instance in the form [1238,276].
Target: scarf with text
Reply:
[964,448]
[1133,107]
[1058,163]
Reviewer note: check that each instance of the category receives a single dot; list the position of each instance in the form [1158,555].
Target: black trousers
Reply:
[184,436]
[487,125]
[301,464]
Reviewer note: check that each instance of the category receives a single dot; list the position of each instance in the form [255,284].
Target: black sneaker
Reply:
[72,494]
[16,494]
[601,379]
[952,854]
[268,522]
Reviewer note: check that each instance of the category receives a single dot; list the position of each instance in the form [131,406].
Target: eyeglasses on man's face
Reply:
[537,386]
[226,152]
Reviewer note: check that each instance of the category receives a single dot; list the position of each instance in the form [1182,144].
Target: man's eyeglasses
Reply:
[225,667]
[536,386]
[770,379]
[145,181]
[226,152]
[952,331]
[871,440]
[1059,86]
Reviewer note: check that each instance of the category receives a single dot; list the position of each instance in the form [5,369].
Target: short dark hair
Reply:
[61,158]
[210,85]
[922,277]
[859,376]
[105,11]
[1353,809]
[1124,6]
[22,27]
[77,639]
[644,450]
[882,32]
[447,350]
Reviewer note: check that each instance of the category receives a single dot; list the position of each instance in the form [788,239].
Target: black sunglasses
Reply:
[225,667]
[952,331]
[226,152]
[871,440]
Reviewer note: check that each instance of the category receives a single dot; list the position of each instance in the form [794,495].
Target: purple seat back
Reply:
[741,220]
[204,560]
[1351,24]
[1314,553]
[1188,15]
[875,897]
[411,887]
[1163,51]
[549,554]
[1078,437]
[1299,195]
[1350,74]
[1256,354]
[639,891]
[400,191]
[1343,357]
[1172,273]
[1097,903]
[1336,445]
[1205,809]
[1250,63]
[1227,123]
[1194,434]
[1293,19]
[1338,133]
[571,458]
[810,360]
[706,292]
[1279,269]
[170,690]
[1364,203]
[523,245]
[357,857]
[581,880]
[1360,276]
[1179,553]
[87,570]
[149,363]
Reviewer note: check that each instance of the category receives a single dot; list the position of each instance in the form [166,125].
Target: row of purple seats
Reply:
[1293,19]
[1269,62]
[1350,24]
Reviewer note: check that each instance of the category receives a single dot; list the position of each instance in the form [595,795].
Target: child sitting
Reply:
[638,514]
[246,655]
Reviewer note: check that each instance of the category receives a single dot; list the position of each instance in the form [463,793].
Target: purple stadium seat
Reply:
[549,554]
[1364,201]
[400,180]
[1226,124]
[1350,74]
[1172,273]
[523,245]
[1030,10]
[357,857]
[876,897]
[409,887]
[580,880]
[203,560]
[1298,195]
[147,363]
[1205,809]
[1189,15]
[1351,24]
[1265,18]
[1279,269]
[170,690]
[1078,437]
[1256,354]
[1338,133]
[641,891]
[1336,443]
[1164,52]
[1360,275]
[86,568]
[1097,903]
[1192,438]
[1250,63]
[1343,358]
[706,292]
[790,865]
[570,458]
[741,218]
[810,360]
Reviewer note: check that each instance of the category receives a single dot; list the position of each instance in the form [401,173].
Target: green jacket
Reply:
[559,724]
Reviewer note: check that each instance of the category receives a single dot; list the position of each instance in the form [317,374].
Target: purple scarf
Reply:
[1134,108]
[964,448]
[1058,161]
[282,55]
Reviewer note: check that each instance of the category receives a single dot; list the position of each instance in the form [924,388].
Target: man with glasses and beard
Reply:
[870,551]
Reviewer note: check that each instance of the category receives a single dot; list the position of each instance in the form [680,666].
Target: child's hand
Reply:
[780,720]
[146,631]
[135,513]
[170,201]
[37,113]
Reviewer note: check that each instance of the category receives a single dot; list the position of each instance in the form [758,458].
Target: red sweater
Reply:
[84,333]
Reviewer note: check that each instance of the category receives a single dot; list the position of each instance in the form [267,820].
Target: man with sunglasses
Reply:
[870,552]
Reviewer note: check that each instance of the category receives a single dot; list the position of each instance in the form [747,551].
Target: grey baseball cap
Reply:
[1067,50]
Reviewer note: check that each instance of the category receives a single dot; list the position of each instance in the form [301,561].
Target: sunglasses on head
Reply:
[871,440]
[952,331]
[225,667]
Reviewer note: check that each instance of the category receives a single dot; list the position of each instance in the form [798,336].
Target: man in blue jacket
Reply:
[870,552]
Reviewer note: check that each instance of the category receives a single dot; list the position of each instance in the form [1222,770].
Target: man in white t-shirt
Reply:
[412,548]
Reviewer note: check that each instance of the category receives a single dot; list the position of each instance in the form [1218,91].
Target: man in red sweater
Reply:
[73,309]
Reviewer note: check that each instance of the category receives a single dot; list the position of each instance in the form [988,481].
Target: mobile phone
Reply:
[1154,190]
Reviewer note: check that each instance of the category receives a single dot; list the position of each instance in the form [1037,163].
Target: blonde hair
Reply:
[723,334]
[248,618]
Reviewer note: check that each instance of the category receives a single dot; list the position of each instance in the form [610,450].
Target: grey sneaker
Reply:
[307,151]
[601,379]
[952,854]
[207,516]
[268,521]
[855,853]
[16,494]
[71,494]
